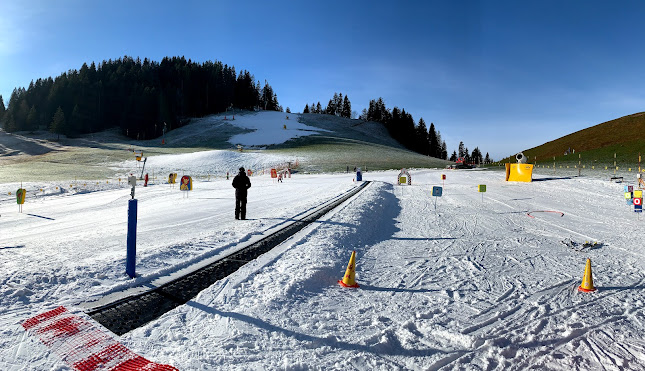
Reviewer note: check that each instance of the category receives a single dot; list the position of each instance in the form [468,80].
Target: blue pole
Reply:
[130,259]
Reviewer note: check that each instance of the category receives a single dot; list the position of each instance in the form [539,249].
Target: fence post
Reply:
[130,260]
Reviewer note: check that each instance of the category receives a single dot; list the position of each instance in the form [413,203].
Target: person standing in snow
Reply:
[241,183]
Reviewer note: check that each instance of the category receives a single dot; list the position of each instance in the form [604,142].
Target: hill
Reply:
[321,143]
[624,136]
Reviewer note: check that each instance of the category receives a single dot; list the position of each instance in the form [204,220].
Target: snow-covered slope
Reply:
[477,284]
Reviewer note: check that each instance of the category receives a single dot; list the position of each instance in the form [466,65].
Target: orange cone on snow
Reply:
[349,278]
[587,279]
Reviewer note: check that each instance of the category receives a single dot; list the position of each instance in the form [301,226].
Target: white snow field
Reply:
[477,284]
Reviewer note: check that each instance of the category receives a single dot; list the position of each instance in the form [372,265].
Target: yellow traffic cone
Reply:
[349,280]
[587,280]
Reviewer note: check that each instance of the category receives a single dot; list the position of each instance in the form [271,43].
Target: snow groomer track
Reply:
[126,314]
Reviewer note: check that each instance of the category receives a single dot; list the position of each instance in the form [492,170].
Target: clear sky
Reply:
[501,75]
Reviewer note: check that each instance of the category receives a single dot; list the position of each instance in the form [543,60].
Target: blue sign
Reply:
[436,191]
[638,208]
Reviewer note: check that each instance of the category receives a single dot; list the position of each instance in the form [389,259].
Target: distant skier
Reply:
[241,183]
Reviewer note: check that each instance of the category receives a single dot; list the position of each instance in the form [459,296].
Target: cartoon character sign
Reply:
[20,196]
[172,178]
[186,183]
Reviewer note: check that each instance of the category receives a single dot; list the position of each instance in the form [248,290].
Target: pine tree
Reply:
[58,124]
[319,108]
[476,156]
[306,110]
[32,119]
[444,150]
[487,159]
[288,110]
[347,108]
[329,110]
[461,151]
[453,157]
[422,143]
[2,109]
[435,149]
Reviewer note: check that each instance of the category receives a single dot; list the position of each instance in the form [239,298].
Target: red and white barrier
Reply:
[84,346]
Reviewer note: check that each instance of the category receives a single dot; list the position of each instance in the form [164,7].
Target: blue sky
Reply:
[501,75]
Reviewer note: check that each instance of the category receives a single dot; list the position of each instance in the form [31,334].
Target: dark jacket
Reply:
[241,183]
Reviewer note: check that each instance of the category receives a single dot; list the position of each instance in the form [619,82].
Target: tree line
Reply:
[475,157]
[142,98]
[417,137]
[401,126]
[337,106]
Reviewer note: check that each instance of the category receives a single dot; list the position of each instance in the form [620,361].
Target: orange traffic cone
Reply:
[587,280]
[349,280]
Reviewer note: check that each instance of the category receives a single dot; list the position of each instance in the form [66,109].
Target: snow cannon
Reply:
[520,172]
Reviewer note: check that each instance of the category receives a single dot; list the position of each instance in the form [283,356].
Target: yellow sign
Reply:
[403,180]
[20,196]
[638,194]
[172,178]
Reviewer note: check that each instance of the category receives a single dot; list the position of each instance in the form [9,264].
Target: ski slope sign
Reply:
[83,345]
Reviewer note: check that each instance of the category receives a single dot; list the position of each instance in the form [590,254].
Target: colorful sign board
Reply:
[638,202]
[443,176]
[404,177]
[274,173]
[638,194]
[20,196]
[437,191]
[186,183]
[172,178]
[481,188]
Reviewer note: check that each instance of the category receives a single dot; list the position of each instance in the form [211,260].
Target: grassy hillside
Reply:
[624,136]
[344,143]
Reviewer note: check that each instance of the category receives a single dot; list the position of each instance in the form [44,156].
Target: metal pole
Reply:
[579,165]
[130,260]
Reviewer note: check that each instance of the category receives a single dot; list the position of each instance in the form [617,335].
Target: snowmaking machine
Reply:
[520,172]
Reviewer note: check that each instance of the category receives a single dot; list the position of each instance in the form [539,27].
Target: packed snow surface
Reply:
[483,281]
[270,128]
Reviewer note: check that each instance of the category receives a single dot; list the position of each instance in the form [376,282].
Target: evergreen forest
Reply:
[142,98]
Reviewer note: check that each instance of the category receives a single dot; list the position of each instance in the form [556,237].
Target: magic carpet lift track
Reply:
[135,311]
